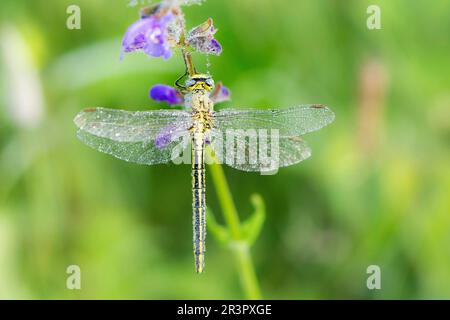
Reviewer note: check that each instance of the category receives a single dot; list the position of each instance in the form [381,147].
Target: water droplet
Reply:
[208,63]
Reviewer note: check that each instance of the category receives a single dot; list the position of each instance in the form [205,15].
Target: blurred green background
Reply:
[376,191]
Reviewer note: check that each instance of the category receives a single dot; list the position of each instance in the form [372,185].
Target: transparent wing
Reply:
[291,122]
[141,152]
[130,126]
[265,140]
[148,137]
[257,152]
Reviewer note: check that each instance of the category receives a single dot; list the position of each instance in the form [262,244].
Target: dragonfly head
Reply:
[200,82]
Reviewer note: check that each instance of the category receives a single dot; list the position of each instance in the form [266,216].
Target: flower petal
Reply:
[206,29]
[214,47]
[135,37]
[164,93]
[149,34]
[201,38]
[220,93]
[164,137]
[169,134]
[205,45]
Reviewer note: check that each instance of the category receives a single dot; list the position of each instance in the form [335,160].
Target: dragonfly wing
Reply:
[249,153]
[141,152]
[290,122]
[265,140]
[130,126]
[148,137]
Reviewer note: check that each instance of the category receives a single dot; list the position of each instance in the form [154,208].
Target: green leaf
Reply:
[252,227]
[221,233]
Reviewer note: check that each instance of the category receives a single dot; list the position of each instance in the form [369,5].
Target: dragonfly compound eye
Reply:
[190,82]
[210,82]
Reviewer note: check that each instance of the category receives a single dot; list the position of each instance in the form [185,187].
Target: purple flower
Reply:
[163,93]
[150,35]
[220,93]
[201,38]
[214,47]
[164,137]
[169,134]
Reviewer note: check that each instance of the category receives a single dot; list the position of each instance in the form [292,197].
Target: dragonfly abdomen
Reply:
[198,201]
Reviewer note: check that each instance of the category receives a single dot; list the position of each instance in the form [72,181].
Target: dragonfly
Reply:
[153,137]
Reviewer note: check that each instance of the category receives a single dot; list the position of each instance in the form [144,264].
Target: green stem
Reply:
[226,201]
[247,274]
[239,248]
[190,69]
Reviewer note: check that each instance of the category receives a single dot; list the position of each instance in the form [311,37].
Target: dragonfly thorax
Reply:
[202,108]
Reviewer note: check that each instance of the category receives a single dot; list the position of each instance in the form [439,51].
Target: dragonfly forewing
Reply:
[290,122]
[130,126]
[149,137]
